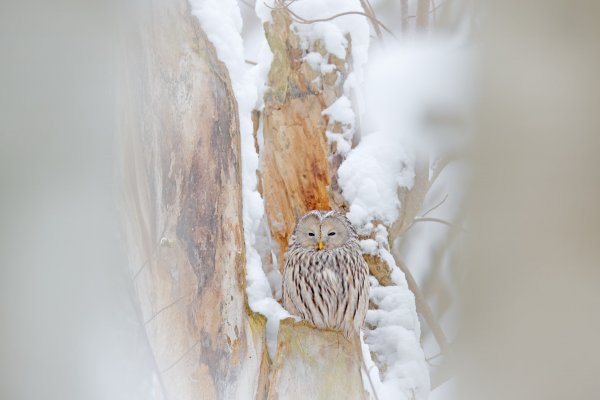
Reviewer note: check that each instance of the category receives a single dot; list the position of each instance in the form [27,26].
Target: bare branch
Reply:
[422,306]
[436,169]
[371,13]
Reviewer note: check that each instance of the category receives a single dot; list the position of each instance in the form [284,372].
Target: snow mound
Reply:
[371,176]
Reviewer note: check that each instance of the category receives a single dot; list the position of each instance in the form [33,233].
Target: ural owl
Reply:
[325,279]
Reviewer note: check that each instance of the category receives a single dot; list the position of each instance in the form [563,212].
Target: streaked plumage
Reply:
[326,284]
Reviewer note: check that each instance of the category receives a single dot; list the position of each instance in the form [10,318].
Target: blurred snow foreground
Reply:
[384,105]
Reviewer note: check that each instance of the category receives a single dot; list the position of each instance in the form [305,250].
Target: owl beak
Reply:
[321,245]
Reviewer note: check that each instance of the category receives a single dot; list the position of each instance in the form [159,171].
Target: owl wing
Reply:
[288,288]
[363,292]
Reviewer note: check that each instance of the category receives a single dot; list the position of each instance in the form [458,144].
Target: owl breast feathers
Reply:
[325,278]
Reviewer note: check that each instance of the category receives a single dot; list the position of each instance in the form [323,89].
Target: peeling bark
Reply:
[183,209]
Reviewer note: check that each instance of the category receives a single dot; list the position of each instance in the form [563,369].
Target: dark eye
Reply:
[331,233]
[311,234]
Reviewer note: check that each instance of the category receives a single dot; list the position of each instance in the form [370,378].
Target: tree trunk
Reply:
[299,173]
[298,165]
[305,369]
[182,204]
[423,7]
[182,199]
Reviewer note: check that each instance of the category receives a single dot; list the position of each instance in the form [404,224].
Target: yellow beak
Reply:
[321,245]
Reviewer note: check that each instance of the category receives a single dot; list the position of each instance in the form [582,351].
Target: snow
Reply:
[394,334]
[314,59]
[369,246]
[421,90]
[333,36]
[408,88]
[371,176]
[222,23]
[340,111]
[333,33]
[342,145]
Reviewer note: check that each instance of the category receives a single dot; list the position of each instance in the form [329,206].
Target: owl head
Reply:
[323,230]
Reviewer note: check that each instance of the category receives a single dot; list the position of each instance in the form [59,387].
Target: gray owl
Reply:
[325,279]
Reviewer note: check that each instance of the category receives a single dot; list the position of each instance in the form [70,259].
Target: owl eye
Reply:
[331,233]
[311,234]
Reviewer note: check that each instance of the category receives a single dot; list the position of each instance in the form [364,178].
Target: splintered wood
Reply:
[315,364]
[298,165]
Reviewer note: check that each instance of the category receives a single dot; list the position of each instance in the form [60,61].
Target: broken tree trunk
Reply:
[182,204]
[298,165]
[299,173]
[305,369]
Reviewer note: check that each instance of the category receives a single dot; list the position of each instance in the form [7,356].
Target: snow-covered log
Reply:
[183,208]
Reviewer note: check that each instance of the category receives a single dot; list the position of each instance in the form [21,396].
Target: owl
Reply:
[325,279]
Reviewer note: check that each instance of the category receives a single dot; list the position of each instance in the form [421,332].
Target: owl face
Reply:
[321,231]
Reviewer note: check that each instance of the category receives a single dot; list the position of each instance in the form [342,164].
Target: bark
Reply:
[298,166]
[182,203]
[299,173]
[315,364]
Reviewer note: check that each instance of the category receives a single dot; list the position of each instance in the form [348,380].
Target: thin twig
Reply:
[439,220]
[436,206]
[311,21]
[151,256]
[185,353]
[437,168]
[434,357]
[430,219]
[302,20]
[369,10]
[166,307]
